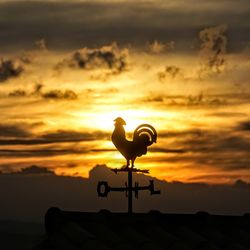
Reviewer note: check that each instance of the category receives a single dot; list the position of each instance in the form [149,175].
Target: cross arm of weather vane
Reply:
[116,170]
[103,189]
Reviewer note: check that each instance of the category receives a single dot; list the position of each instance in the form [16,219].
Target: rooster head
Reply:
[119,121]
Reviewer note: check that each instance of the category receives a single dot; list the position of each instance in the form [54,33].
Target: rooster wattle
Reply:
[144,136]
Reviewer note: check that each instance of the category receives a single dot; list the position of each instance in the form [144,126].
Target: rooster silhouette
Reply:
[144,136]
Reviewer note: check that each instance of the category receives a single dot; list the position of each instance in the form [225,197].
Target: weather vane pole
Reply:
[144,136]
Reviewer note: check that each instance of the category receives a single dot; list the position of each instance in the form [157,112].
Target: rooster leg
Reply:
[127,163]
[133,160]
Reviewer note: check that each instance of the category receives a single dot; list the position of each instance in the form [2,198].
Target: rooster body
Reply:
[144,136]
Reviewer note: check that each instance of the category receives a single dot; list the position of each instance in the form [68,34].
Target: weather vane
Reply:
[144,136]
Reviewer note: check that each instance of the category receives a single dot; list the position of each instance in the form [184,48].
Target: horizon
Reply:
[38,171]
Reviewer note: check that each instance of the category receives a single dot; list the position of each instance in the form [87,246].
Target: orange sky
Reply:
[58,105]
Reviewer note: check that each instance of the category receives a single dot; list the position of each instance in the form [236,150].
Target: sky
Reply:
[69,68]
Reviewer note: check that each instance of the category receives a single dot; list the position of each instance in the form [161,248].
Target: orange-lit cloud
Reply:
[62,119]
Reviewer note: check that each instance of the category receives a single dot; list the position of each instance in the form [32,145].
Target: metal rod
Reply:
[130,192]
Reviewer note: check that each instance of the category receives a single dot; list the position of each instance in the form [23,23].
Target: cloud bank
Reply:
[33,191]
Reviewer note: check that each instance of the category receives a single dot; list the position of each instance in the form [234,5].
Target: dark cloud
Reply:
[213,48]
[170,71]
[46,144]
[79,194]
[241,184]
[44,152]
[221,149]
[59,94]
[227,114]
[244,126]
[231,178]
[55,94]
[69,25]
[59,136]
[199,100]
[9,69]
[18,93]
[107,57]
[102,76]
[220,141]
[34,169]
[183,133]
[154,98]
[50,144]
[37,89]
[10,130]
[167,150]
[73,136]
[26,58]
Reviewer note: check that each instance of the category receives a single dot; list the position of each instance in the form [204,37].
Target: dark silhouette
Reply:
[144,136]
[40,190]
[66,230]
[103,188]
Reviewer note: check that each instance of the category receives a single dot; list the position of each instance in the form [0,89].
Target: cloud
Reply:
[72,136]
[55,94]
[227,114]
[216,149]
[108,57]
[17,93]
[170,71]
[173,71]
[167,150]
[157,47]
[222,150]
[213,48]
[26,58]
[35,193]
[21,136]
[217,141]
[154,98]
[199,100]
[229,178]
[34,169]
[59,94]
[92,22]
[10,130]
[37,89]
[244,126]
[41,45]
[55,143]
[48,151]
[183,133]
[9,69]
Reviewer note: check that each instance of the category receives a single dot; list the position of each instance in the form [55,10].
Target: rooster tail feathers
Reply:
[146,130]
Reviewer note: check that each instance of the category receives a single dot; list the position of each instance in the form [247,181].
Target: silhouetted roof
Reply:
[154,230]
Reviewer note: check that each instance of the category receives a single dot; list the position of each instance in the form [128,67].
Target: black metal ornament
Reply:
[144,136]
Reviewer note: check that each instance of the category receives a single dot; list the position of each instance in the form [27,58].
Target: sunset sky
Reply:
[69,68]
